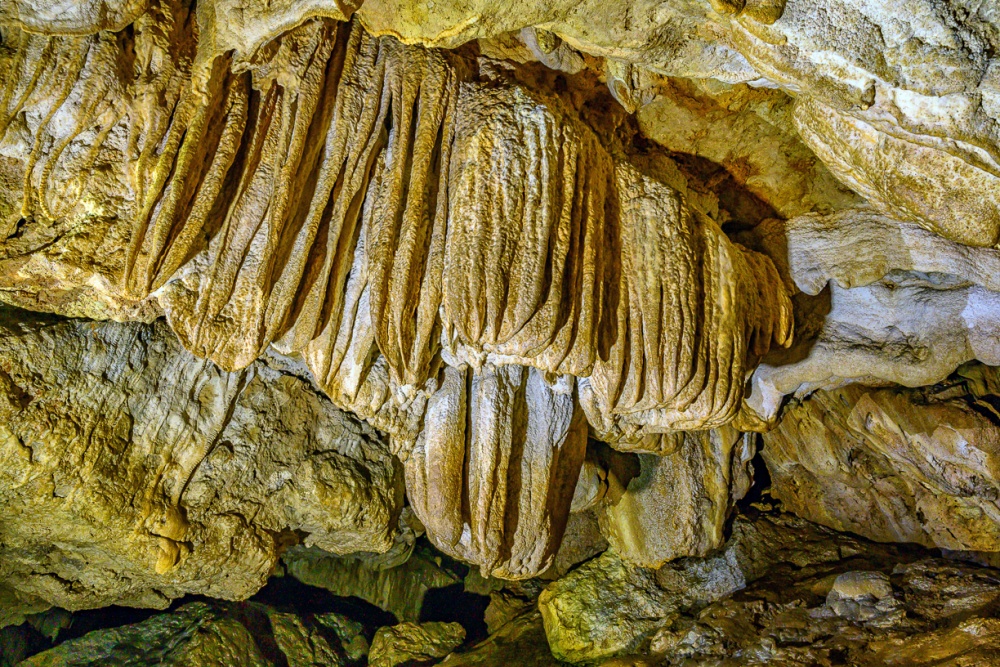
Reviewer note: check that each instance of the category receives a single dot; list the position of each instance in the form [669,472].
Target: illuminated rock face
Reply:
[895,465]
[397,216]
[445,254]
[168,475]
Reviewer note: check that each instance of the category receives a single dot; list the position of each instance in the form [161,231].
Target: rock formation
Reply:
[895,465]
[168,475]
[353,295]
[409,643]
[362,203]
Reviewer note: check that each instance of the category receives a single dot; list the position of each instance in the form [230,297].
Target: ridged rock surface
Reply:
[166,474]
[396,215]
[526,278]
[898,99]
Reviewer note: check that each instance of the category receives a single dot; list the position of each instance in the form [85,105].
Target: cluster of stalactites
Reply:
[448,251]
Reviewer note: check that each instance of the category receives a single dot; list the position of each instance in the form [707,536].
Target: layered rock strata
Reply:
[885,302]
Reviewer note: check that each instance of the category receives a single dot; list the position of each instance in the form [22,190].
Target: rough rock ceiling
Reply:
[443,248]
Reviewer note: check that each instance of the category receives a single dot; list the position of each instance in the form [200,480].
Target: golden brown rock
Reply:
[135,473]
[679,503]
[361,202]
[749,132]
[409,643]
[681,277]
[527,262]
[492,474]
[895,465]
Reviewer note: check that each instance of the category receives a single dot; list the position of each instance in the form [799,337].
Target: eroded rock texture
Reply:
[168,475]
[400,217]
[561,260]
[895,465]
[493,473]
[894,304]
[609,607]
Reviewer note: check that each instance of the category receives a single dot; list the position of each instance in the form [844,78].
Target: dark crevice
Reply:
[760,490]
[453,604]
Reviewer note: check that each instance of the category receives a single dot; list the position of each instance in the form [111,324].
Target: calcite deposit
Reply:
[432,305]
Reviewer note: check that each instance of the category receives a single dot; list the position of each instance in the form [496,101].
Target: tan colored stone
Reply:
[165,475]
[608,608]
[895,465]
[679,503]
[85,17]
[396,221]
[750,133]
[676,278]
[492,474]
[904,306]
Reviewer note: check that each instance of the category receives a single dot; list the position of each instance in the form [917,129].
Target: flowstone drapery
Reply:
[395,215]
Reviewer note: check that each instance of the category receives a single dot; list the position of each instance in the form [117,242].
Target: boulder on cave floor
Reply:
[608,607]
[201,634]
[414,643]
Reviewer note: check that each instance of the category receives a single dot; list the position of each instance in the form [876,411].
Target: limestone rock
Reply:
[679,503]
[857,247]
[493,472]
[786,619]
[904,306]
[200,634]
[678,39]
[861,596]
[901,110]
[165,475]
[676,278]
[398,589]
[82,18]
[907,128]
[895,465]
[361,203]
[749,133]
[408,643]
[582,541]
[603,608]
[607,607]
